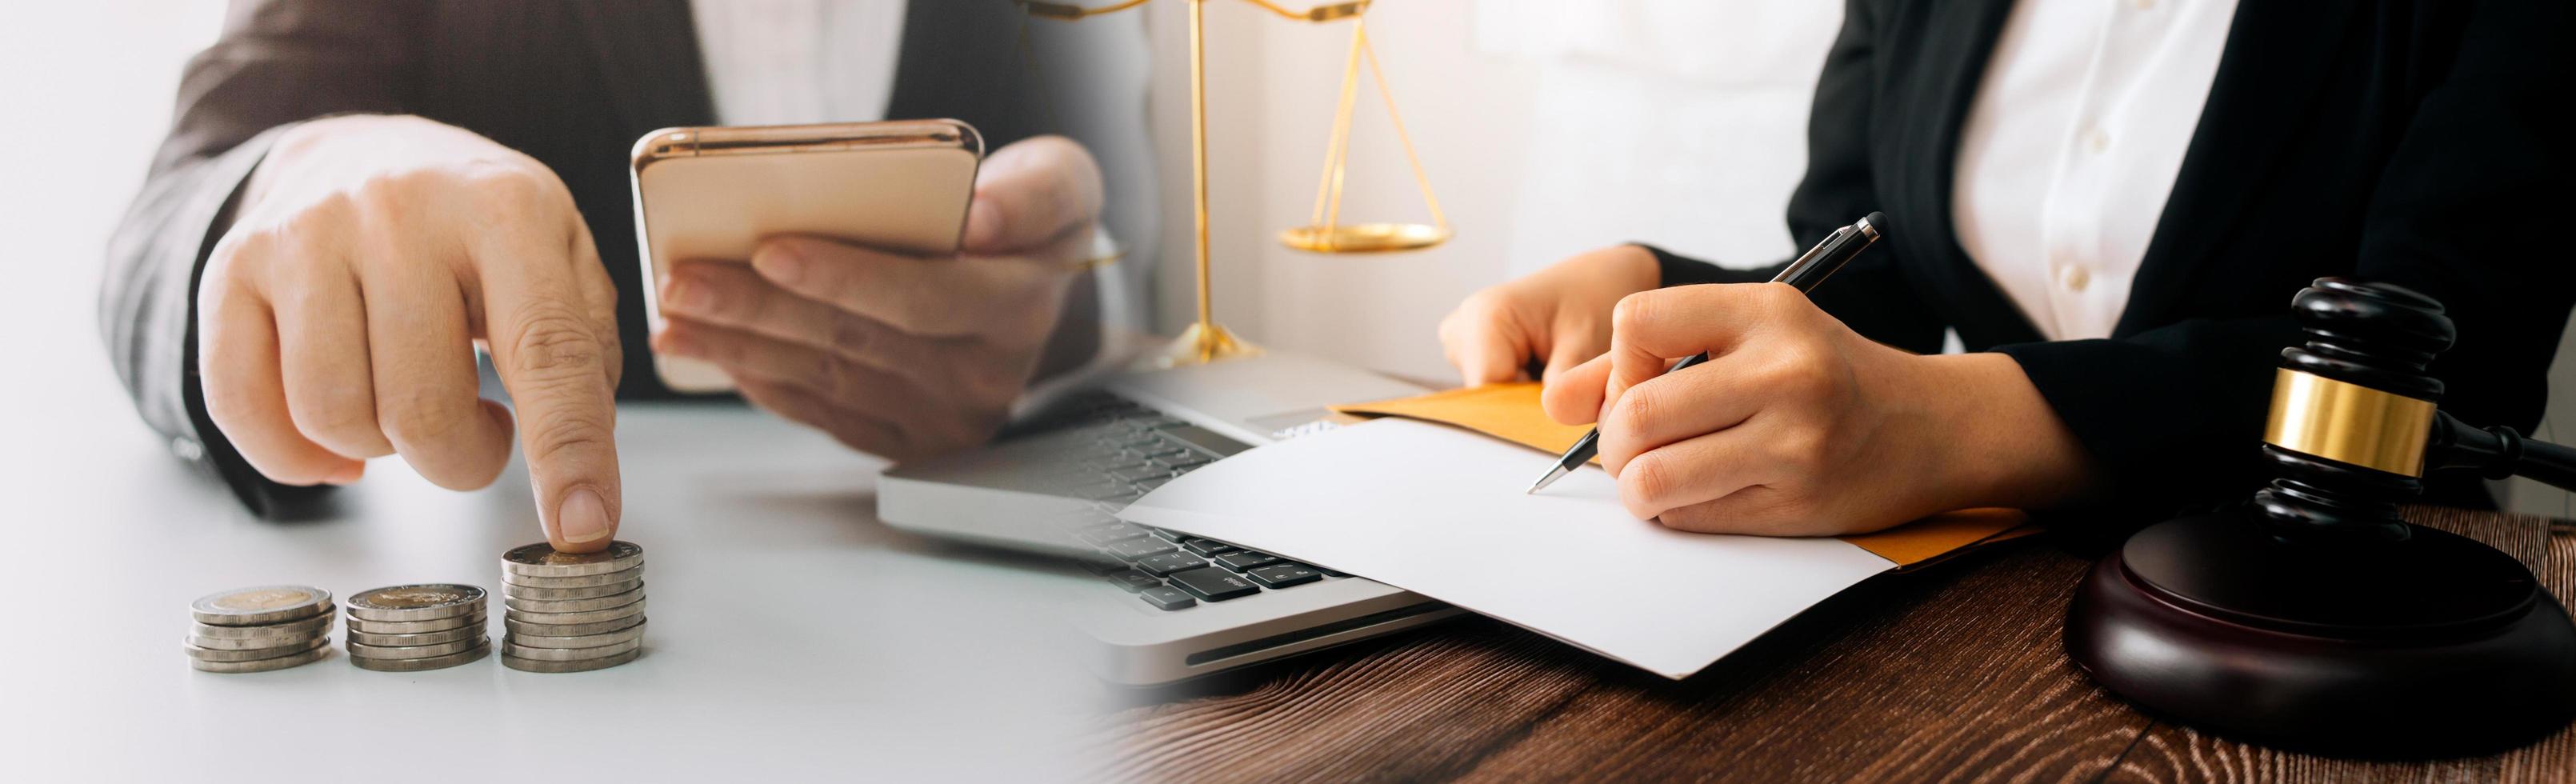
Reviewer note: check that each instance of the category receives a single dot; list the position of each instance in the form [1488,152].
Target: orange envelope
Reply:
[1511,412]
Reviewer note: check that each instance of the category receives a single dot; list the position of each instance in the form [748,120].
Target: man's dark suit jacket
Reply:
[2404,141]
[572,83]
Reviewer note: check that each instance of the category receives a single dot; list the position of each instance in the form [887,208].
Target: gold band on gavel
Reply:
[2348,423]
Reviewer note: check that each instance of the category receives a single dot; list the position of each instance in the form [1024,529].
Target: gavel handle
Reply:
[2498,452]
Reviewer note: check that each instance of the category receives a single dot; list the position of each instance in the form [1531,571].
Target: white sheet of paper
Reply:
[1440,511]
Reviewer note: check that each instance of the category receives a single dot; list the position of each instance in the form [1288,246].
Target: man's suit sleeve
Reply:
[1870,294]
[2461,213]
[276,64]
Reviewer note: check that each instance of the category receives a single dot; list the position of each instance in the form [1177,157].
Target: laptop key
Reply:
[1096,563]
[1208,547]
[1104,534]
[1102,491]
[1213,584]
[1133,549]
[1166,598]
[1145,472]
[1133,580]
[1169,535]
[1284,574]
[1245,559]
[1167,563]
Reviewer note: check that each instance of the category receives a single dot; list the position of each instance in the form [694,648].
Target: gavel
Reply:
[2313,616]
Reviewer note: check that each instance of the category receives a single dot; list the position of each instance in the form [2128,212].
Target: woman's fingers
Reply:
[1695,470]
[246,393]
[1651,330]
[1705,398]
[937,297]
[322,352]
[1030,193]
[732,296]
[1484,343]
[1574,396]
[427,390]
[554,353]
[1571,345]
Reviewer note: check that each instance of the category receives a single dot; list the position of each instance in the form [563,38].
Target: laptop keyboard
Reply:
[1114,452]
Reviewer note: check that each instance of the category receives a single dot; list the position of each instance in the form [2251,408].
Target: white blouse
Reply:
[2072,145]
[783,62]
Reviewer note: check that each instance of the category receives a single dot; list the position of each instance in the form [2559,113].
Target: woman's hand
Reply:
[1797,426]
[895,355]
[336,319]
[1561,313]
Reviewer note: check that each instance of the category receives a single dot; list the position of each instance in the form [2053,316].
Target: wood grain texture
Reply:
[1957,673]
[2170,752]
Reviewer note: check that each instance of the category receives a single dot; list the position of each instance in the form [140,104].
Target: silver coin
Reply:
[409,640]
[257,643]
[254,654]
[423,602]
[580,641]
[476,618]
[365,651]
[568,654]
[514,626]
[419,665]
[584,665]
[289,629]
[628,574]
[318,653]
[509,592]
[252,645]
[593,616]
[610,601]
[542,560]
[261,605]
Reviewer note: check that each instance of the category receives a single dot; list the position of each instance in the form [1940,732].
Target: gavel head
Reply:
[2351,412]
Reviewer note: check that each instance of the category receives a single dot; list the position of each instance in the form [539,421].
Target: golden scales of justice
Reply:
[1205,341]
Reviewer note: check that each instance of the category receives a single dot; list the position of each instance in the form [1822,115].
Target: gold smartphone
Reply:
[712,194]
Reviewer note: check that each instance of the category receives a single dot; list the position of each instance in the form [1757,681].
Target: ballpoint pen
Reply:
[1809,269]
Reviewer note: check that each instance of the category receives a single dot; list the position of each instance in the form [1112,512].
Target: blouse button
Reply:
[2076,279]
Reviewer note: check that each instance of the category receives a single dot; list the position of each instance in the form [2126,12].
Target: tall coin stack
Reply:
[271,627]
[572,612]
[410,628]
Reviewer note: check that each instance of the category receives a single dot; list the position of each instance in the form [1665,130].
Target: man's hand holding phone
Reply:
[337,318]
[899,355]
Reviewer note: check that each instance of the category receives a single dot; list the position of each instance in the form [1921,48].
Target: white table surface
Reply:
[793,636]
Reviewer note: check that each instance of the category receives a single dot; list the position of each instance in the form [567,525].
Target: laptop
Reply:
[1165,606]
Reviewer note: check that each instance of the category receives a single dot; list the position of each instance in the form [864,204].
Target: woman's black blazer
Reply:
[2403,141]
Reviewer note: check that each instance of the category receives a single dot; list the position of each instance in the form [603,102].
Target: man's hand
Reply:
[1561,314]
[895,355]
[337,319]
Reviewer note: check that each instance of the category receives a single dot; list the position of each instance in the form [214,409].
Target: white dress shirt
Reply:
[2072,145]
[783,62]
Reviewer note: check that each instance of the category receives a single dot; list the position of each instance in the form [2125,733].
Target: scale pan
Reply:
[1364,237]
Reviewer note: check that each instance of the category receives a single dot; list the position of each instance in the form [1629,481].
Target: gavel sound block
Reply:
[2313,616]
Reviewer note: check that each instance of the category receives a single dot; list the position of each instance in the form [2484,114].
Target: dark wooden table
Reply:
[1954,673]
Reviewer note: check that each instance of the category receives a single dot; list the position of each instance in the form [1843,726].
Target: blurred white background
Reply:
[1546,127]
[87,98]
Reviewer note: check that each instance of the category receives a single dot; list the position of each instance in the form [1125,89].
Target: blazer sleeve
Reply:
[1869,294]
[2451,216]
[276,63]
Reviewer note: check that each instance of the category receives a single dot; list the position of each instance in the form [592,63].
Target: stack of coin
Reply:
[571,612]
[271,627]
[410,628]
